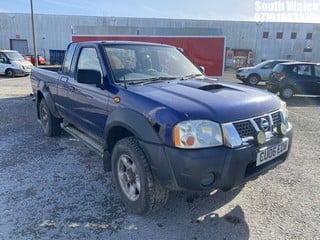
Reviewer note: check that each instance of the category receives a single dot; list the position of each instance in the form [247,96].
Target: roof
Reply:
[113,42]
[6,50]
[295,63]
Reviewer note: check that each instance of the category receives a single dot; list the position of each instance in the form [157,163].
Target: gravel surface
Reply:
[55,188]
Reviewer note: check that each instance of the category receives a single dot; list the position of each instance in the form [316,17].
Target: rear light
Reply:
[282,75]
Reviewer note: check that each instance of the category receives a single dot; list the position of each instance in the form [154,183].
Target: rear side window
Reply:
[317,70]
[303,70]
[66,67]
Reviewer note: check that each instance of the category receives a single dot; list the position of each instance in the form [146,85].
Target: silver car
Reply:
[260,72]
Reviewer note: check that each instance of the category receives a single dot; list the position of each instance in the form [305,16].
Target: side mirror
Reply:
[89,76]
[202,69]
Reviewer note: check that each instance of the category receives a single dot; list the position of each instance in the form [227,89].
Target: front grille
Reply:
[247,129]
[276,118]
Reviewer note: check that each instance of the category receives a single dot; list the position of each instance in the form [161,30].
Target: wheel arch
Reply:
[42,92]
[292,87]
[254,74]
[124,123]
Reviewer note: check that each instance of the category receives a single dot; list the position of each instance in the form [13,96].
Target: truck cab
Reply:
[158,122]
[12,64]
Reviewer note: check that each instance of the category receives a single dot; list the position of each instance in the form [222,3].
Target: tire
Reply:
[287,92]
[10,73]
[132,175]
[253,79]
[49,123]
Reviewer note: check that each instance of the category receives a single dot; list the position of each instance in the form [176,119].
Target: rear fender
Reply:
[44,93]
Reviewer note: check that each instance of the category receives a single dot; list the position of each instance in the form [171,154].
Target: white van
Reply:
[13,64]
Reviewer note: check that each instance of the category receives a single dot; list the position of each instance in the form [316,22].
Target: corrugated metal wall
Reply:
[54,33]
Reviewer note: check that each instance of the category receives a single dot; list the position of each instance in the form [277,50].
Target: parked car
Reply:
[260,72]
[30,58]
[295,78]
[13,64]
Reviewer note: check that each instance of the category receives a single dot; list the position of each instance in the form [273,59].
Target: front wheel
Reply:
[138,189]
[10,73]
[253,79]
[49,123]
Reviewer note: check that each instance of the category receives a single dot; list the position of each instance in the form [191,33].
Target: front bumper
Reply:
[181,169]
[241,76]
[20,72]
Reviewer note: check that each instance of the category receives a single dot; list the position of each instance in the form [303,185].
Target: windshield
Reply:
[14,56]
[142,63]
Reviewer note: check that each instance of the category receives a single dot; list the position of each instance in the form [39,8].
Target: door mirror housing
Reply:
[202,69]
[89,76]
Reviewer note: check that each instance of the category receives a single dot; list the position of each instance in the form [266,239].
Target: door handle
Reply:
[72,88]
[64,79]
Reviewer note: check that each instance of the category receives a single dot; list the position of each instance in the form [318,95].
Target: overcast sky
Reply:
[248,10]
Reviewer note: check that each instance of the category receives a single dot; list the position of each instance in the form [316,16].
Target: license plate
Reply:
[268,153]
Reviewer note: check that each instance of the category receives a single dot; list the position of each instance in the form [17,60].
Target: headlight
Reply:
[282,128]
[197,134]
[284,111]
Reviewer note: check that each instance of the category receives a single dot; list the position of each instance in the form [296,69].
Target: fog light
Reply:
[261,137]
[282,129]
[207,180]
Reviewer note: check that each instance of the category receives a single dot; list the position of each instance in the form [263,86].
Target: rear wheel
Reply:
[50,124]
[253,79]
[286,92]
[133,177]
[10,73]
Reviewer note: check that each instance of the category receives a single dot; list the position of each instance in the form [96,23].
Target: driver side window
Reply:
[3,58]
[88,59]
[269,65]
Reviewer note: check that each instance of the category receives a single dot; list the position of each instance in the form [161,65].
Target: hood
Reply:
[245,68]
[210,99]
[21,61]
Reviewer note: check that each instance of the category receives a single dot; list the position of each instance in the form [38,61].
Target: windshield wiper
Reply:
[157,79]
[133,82]
[191,76]
[148,80]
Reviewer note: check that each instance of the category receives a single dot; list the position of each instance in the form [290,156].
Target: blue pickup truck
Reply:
[158,122]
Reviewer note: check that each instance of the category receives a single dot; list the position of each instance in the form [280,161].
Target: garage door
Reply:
[20,45]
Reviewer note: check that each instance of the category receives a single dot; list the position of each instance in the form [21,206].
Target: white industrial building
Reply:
[246,42]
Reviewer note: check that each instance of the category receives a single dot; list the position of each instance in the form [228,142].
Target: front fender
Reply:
[126,122]
[134,122]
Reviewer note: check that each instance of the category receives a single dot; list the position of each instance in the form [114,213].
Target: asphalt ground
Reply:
[55,188]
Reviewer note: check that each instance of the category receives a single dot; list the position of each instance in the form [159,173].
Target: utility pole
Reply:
[34,37]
